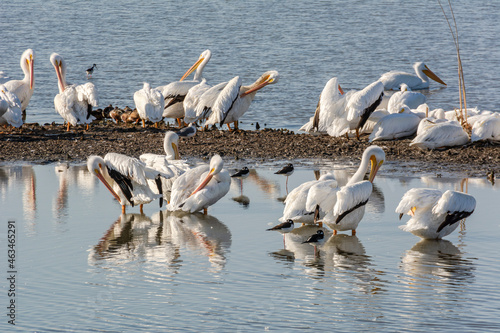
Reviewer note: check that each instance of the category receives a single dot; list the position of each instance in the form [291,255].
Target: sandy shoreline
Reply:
[51,143]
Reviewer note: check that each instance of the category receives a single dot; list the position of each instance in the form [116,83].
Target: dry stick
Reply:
[461,80]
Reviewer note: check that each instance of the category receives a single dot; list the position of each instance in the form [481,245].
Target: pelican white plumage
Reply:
[434,214]
[440,134]
[405,96]
[362,104]
[126,178]
[23,89]
[175,92]
[392,80]
[235,99]
[10,108]
[200,187]
[150,104]
[486,128]
[395,125]
[169,165]
[74,102]
[349,201]
[200,107]
[296,208]
[328,108]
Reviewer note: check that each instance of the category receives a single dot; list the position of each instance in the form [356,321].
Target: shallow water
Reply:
[82,266]
[307,42]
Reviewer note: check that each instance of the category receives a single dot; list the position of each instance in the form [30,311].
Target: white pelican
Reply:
[392,80]
[395,125]
[296,204]
[362,103]
[149,103]
[175,92]
[200,101]
[126,178]
[10,109]
[487,128]
[440,134]
[405,96]
[349,201]
[327,109]
[74,102]
[283,228]
[200,187]
[23,89]
[434,215]
[169,165]
[235,99]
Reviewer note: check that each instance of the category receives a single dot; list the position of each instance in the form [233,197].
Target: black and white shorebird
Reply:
[287,171]
[188,131]
[241,174]
[283,228]
[90,70]
[317,239]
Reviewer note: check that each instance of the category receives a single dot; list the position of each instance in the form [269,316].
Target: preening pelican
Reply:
[362,103]
[74,102]
[328,108]
[440,134]
[23,89]
[487,128]
[126,178]
[10,108]
[349,201]
[149,103]
[296,208]
[200,187]
[405,96]
[200,101]
[235,99]
[169,165]
[434,215]
[392,80]
[395,125]
[175,92]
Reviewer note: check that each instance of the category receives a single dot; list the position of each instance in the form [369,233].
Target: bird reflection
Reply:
[162,237]
[294,241]
[265,185]
[238,177]
[438,262]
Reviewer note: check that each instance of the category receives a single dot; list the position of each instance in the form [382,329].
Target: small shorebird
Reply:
[317,239]
[188,131]
[283,228]
[287,170]
[90,70]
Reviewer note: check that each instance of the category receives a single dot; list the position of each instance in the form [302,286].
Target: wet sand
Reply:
[52,143]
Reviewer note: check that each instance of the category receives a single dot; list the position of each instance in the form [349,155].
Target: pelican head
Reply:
[60,67]
[97,166]
[200,63]
[269,77]
[170,145]
[404,87]
[376,156]
[216,165]
[422,68]
[27,62]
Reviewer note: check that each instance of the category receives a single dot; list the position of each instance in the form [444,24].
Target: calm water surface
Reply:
[84,267]
[307,42]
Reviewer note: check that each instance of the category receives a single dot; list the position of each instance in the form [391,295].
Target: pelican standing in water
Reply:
[234,100]
[175,92]
[392,80]
[169,165]
[126,178]
[200,187]
[345,207]
[23,89]
[149,103]
[74,102]
[434,214]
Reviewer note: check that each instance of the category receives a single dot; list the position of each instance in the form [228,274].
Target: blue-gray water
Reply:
[307,42]
[82,266]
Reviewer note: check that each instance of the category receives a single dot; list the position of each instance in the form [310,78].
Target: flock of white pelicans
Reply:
[165,177]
